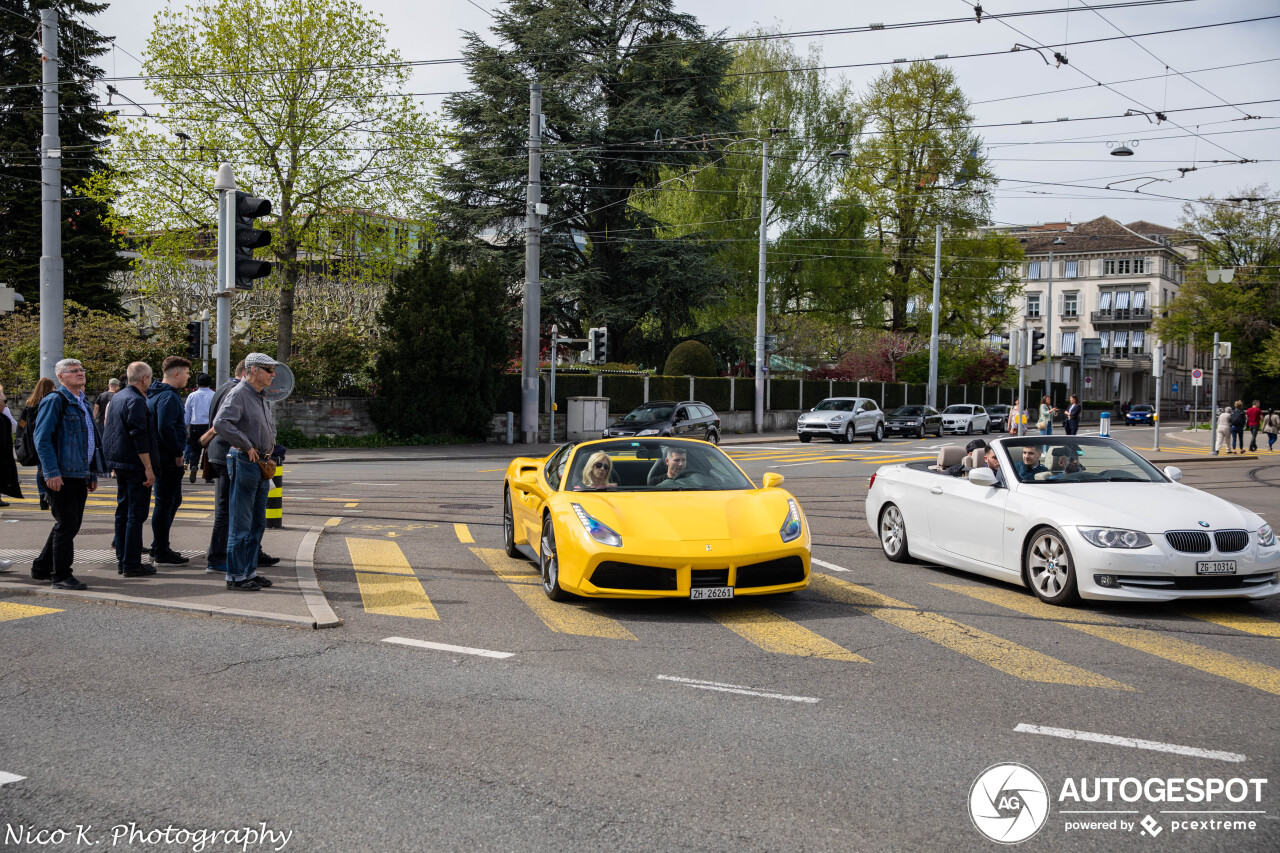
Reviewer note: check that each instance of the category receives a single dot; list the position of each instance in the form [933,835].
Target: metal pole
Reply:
[204,341]
[225,184]
[1195,410]
[933,335]
[50,201]
[1159,378]
[532,274]
[760,296]
[1048,335]
[1213,397]
[551,405]
[1022,379]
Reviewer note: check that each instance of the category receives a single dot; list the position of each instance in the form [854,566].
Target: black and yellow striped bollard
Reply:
[275,499]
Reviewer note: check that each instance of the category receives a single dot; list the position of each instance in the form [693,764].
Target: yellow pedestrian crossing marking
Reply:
[388,586]
[1246,622]
[10,611]
[1238,669]
[996,652]
[464,534]
[521,578]
[773,633]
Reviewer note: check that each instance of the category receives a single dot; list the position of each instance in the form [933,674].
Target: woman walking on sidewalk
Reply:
[1224,431]
[27,422]
[1271,426]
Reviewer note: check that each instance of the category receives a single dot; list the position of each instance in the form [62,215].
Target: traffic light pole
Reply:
[225,184]
[1213,399]
[761,356]
[50,202]
[530,336]
[937,309]
[204,341]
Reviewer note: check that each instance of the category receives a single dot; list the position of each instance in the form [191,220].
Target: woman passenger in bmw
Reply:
[597,473]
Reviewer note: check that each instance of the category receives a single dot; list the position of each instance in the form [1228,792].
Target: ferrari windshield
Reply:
[628,465]
[644,414]
[835,406]
[1077,460]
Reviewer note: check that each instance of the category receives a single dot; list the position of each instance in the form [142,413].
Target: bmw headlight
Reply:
[647,432]
[1266,536]
[1114,537]
[791,527]
[598,530]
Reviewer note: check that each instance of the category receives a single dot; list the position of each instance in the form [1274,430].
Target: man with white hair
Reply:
[132,453]
[70,451]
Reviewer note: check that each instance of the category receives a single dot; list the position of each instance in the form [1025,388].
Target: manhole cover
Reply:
[466,506]
[97,531]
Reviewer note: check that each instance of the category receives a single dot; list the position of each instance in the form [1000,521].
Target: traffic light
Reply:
[1037,347]
[249,238]
[598,345]
[1012,346]
[194,331]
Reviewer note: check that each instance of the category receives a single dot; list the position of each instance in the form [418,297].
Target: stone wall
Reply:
[317,416]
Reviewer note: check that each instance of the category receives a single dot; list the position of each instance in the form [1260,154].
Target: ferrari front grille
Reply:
[771,573]
[614,575]
[1188,541]
[699,578]
[1229,541]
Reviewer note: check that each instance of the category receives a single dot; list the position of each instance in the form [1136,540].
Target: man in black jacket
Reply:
[171,437]
[130,444]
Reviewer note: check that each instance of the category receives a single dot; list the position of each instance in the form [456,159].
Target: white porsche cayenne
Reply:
[1074,517]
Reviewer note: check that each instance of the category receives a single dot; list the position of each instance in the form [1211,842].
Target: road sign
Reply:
[1197,381]
[1174,388]
[1197,374]
[1088,382]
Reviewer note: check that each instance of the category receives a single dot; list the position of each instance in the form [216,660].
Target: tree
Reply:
[89,248]
[629,87]
[306,101]
[445,344]
[920,165]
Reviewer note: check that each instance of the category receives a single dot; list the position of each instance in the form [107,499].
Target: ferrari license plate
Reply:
[1216,567]
[710,593]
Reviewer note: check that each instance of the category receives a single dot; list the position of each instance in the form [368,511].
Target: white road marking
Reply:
[1135,743]
[375,484]
[6,778]
[445,647]
[734,688]
[832,566]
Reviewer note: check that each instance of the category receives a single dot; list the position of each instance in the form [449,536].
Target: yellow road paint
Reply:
[996,652]
[333,522]
[490,470]
[349,505]
[773,633]
[1158,643]
[561,617]
[9,611]
[1246,622]
[388,586]
[464,535]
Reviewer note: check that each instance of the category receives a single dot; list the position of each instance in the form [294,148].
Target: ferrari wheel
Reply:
[893,534]
[878,435]
[848,434]
[1049,569]
[549,563]
[508,526]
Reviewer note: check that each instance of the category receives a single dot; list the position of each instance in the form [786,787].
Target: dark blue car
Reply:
[1140,414]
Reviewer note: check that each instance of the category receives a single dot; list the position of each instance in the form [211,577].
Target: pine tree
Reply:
[89,249]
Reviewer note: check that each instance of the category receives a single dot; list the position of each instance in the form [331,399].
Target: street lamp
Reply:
[1048,324]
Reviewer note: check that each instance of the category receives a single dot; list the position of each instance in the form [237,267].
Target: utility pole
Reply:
[532,274]
[204,341]
[1213,397]
[1157,373]
[933,335]
[1048,326]
[1022,380]
[761,355]
[225,184]
[50,201]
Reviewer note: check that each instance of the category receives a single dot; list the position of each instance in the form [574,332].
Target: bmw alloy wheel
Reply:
[549,562]
[1049,569]
[893,534]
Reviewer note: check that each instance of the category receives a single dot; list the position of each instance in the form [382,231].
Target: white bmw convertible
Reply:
[1073,517]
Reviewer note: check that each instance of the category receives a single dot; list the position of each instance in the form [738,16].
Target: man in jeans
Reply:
[171,439]
[1253,418]
[245,420]
[69,447]
[216,555]
[131,452]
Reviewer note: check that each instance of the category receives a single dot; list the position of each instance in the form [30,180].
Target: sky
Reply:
[1050,170]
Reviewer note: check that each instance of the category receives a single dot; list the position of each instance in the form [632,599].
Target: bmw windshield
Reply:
[1046,460]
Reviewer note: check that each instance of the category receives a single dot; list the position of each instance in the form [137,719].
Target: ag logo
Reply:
[1008,803]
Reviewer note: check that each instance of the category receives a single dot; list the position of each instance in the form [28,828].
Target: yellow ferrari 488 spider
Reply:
[653,518]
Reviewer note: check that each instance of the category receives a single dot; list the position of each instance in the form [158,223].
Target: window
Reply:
[1070,305]
[1033,270]
[1124,266]
[1120,341]
[1069,269]
[1105,338]
[1122,300]
[1104,300]
[1139,300]
[869,406]
[1068,343]
[1138,338]
[1033,305]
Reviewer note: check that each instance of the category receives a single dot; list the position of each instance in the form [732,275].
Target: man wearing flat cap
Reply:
[246,422]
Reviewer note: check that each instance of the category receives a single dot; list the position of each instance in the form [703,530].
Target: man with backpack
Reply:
[1237,423]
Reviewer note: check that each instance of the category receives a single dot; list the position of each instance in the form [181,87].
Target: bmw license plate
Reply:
[1216,567]
[716,592]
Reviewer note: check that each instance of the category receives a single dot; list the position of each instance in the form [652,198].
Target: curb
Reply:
[312,594]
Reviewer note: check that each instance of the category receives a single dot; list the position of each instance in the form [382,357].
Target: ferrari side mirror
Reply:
[771,480]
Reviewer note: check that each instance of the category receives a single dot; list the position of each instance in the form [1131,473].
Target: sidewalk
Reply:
[1179,444]
[295,599]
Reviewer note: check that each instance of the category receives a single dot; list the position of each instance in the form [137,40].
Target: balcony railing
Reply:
[1121,315]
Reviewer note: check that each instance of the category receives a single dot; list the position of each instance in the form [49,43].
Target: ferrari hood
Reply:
[688,516]
[1149,507]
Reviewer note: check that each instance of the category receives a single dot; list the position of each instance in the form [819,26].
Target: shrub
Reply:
[691,358]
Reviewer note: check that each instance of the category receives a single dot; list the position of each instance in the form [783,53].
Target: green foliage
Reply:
[88,244]
[441,357]
[690,358]
[332,358]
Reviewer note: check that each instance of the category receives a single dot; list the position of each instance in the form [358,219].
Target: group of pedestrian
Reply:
[144,436]
[1044,416]
[1232,423]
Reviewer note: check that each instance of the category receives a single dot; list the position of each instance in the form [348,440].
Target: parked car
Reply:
[690,419]
[965,418]
[842,418]
[1142,413]
[914,420]
[999,414]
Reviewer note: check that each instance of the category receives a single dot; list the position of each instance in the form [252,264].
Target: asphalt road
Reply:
[855,715]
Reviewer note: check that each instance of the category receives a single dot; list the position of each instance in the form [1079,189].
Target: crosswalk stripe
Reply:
[996,652]
[463,532]
[388,586]
[773,633]
[10,611]
[1222,664]
[561,617]
[1246,622]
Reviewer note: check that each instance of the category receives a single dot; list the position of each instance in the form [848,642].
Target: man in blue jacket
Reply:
[171,438]
[70,452]
[131,454]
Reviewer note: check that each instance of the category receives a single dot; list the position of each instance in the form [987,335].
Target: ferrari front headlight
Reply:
[1266,536]
[1114,537]
[597,529]
[791,526]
